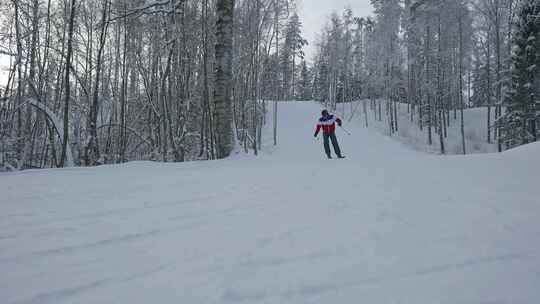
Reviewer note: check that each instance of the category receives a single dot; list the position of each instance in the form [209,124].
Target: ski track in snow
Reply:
[386,225]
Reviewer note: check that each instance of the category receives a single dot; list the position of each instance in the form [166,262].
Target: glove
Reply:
[315,135]
[339,124]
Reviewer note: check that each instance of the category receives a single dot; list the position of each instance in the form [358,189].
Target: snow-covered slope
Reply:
[386,225]
[409,133]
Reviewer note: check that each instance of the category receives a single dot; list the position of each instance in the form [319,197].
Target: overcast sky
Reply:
[314,14]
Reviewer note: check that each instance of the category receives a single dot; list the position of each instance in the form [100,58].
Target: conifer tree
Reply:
[520,122]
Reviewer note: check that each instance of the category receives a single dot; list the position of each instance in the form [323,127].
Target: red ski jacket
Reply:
[327,124]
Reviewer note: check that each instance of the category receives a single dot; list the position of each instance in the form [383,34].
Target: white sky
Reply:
[314,15]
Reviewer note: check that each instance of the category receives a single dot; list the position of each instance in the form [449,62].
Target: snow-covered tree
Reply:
[522,118]
[292,50]
[304,91]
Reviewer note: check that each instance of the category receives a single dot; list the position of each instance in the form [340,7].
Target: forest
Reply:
[437,58]
[109,81]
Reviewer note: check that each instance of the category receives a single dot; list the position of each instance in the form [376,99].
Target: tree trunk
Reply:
[461,83]
[428,89]
[223,77]
[65,145]
[439,90]
[498,107]
[93,146]
[488,90]
[276,80]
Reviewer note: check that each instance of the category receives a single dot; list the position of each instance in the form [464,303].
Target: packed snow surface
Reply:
[386,225]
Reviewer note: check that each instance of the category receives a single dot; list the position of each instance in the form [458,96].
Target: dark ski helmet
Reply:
[325,113]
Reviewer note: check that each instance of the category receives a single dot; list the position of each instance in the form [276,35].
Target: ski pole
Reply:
[344,130]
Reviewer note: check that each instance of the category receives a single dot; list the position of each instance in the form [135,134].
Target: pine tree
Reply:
[304,85]
[292,48]
[320,82]
[520,122]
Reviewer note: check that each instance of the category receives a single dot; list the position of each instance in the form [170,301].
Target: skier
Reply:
[328,124]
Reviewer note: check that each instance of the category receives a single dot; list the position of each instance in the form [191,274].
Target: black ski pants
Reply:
[333,138]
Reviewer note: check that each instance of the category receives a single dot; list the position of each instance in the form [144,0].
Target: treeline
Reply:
[438,57]
[107,81]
